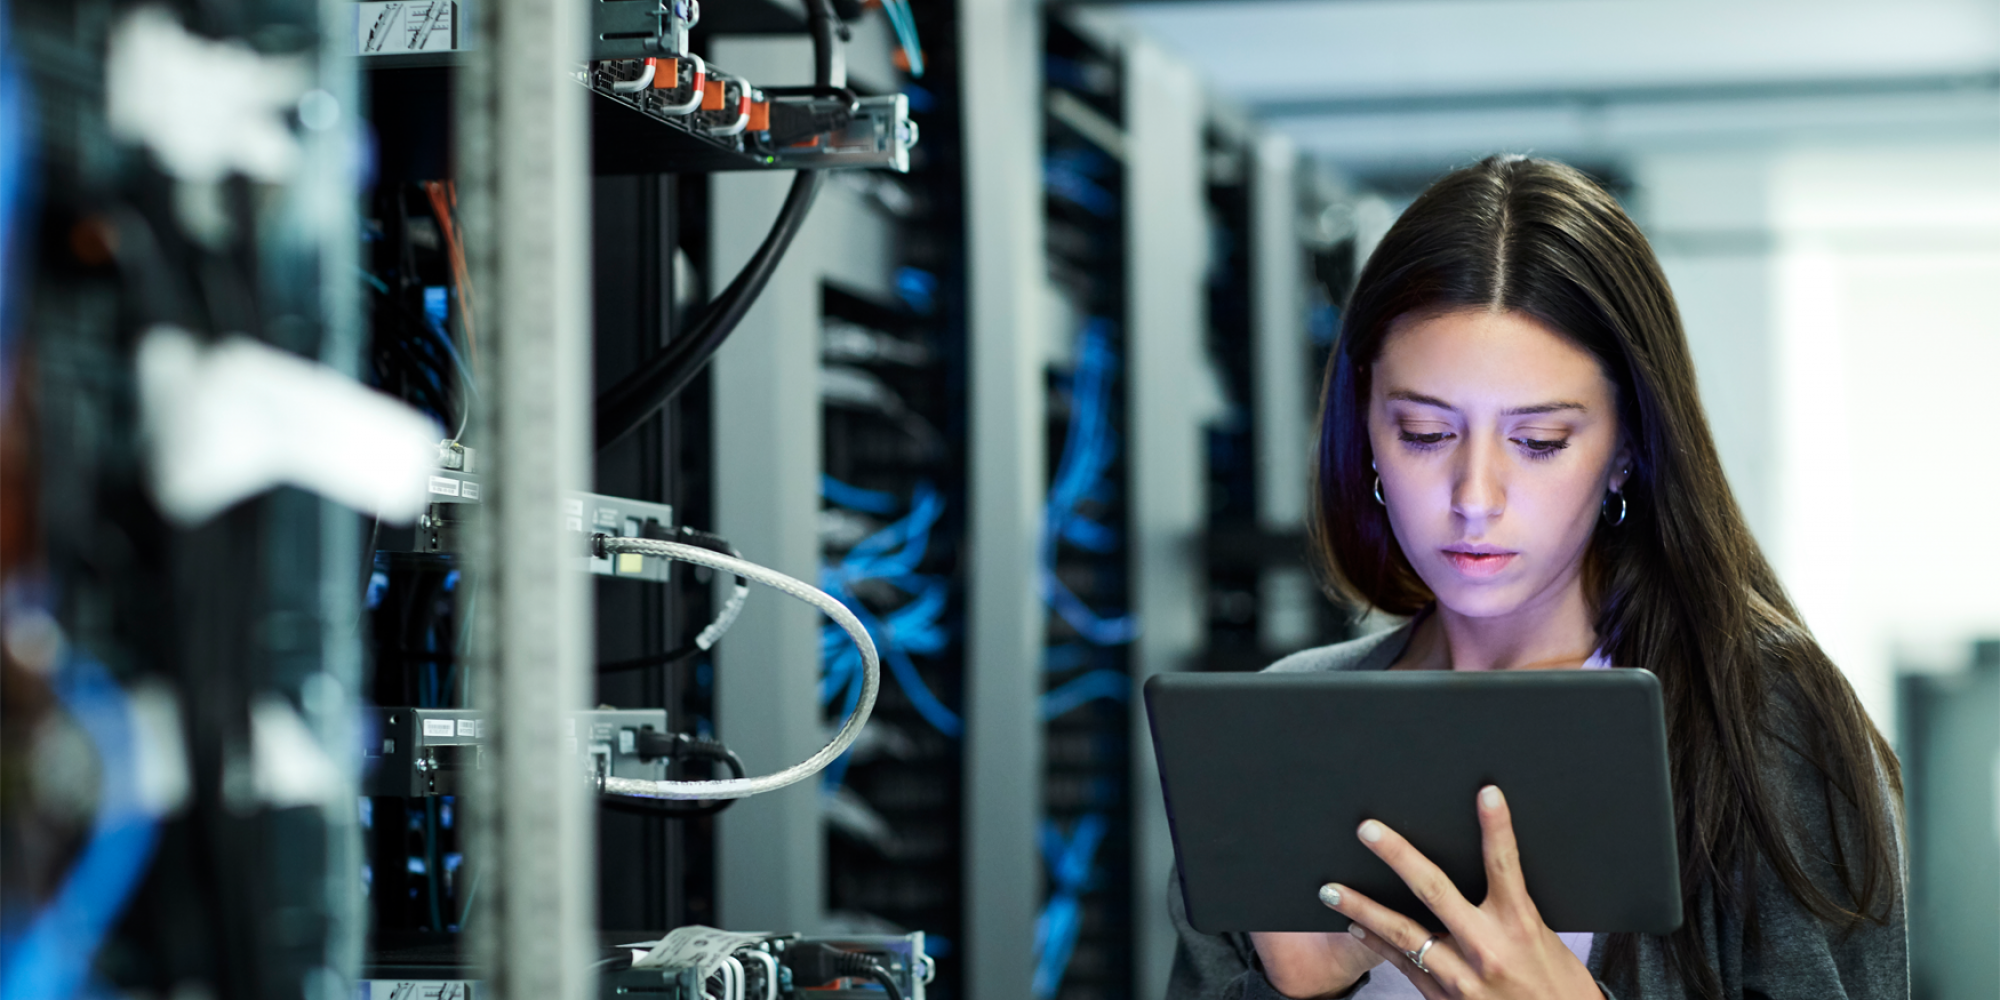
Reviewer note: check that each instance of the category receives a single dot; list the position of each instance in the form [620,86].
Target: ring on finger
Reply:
[1417,957]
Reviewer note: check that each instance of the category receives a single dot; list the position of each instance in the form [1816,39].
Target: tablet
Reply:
[1267,776]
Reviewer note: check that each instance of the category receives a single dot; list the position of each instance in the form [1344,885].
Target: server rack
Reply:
[1085,948]
[1232,450]
[155,646]
[893,384]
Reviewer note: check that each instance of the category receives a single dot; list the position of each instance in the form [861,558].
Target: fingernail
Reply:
[1359,932]
[1371,831]
[1329,894]
[1490,796]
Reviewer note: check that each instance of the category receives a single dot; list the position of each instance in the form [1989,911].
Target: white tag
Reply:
[389,28]
[574,507]
[469,490]
[701,947]
[467,727]
[420,989]
[438,727]
[444,485]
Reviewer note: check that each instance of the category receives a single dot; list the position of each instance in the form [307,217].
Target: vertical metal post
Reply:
[1278,332]
[771,849]
[1282,396]
[1000,43]
[1166,237]
[522,157]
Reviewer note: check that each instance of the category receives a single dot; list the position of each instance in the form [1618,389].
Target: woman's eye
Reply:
[1540,447]
[1433,437]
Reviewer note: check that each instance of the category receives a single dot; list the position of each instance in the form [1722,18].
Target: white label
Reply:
[574,523]
[443,485]
[628,741]
[419,989]
[480,729]
[388,747]
[407,26]
[471,491]
[438,727]
[467,727]
[573,507]
[702,947]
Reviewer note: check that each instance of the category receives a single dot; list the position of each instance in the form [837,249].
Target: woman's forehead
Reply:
[1484,357]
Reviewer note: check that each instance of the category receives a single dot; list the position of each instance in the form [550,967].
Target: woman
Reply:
[1513,453]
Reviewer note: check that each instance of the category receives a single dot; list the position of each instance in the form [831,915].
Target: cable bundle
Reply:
[889,556]
[1088,451]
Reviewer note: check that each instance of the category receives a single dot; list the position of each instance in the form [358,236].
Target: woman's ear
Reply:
[1621,466]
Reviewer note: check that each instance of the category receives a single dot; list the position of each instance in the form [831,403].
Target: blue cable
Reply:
[1071,861]
[905,22]
[51,959]
[1113,685]
[891,555]
[1089,447]
[16,187]
[866,501]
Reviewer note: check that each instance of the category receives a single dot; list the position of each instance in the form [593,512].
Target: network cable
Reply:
[628,403]
[736,788]
[891,556]
[1071,863]
[1089,448]
[52,955]
[707,638]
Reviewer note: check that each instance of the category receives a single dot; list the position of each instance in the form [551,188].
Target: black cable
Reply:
[713,543]
[623,407]
[816,964]
[653,745]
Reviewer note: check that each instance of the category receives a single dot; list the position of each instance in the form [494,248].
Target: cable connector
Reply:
[815,964]
[653,745]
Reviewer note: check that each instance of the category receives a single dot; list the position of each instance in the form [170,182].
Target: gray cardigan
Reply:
[1794,956]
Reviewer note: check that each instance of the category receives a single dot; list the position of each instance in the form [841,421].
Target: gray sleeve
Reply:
[1217,966]
[1789,953]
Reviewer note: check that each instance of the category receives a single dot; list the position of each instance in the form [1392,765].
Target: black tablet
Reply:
[1268,775]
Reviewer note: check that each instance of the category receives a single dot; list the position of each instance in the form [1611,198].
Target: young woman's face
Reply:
[1496,440]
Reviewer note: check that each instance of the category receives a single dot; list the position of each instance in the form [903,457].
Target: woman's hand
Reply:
[1498,949]
[1312,964]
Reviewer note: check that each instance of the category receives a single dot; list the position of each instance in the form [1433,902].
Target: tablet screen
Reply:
[1266,777]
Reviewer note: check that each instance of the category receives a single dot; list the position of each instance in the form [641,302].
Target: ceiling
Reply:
[1387,86]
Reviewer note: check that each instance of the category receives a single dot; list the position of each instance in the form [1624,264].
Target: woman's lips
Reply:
[1479,565]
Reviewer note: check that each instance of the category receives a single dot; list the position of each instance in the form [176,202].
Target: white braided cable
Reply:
[738,788]
[738,593]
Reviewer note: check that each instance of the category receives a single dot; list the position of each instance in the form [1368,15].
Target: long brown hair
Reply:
[1680,588]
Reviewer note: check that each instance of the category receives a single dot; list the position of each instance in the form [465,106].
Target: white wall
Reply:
[1841,307]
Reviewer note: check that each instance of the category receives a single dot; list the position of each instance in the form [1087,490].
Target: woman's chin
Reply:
[1496,601]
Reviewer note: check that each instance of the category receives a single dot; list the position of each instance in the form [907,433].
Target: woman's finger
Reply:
[1432,886]
[1392,930]
[1503,856]
[1424,982]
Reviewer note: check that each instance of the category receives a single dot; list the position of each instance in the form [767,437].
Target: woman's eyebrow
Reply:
[1523,411]
[1417,397]
[1407,396]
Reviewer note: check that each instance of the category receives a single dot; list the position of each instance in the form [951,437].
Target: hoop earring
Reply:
[1606,510]
[1378,491]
